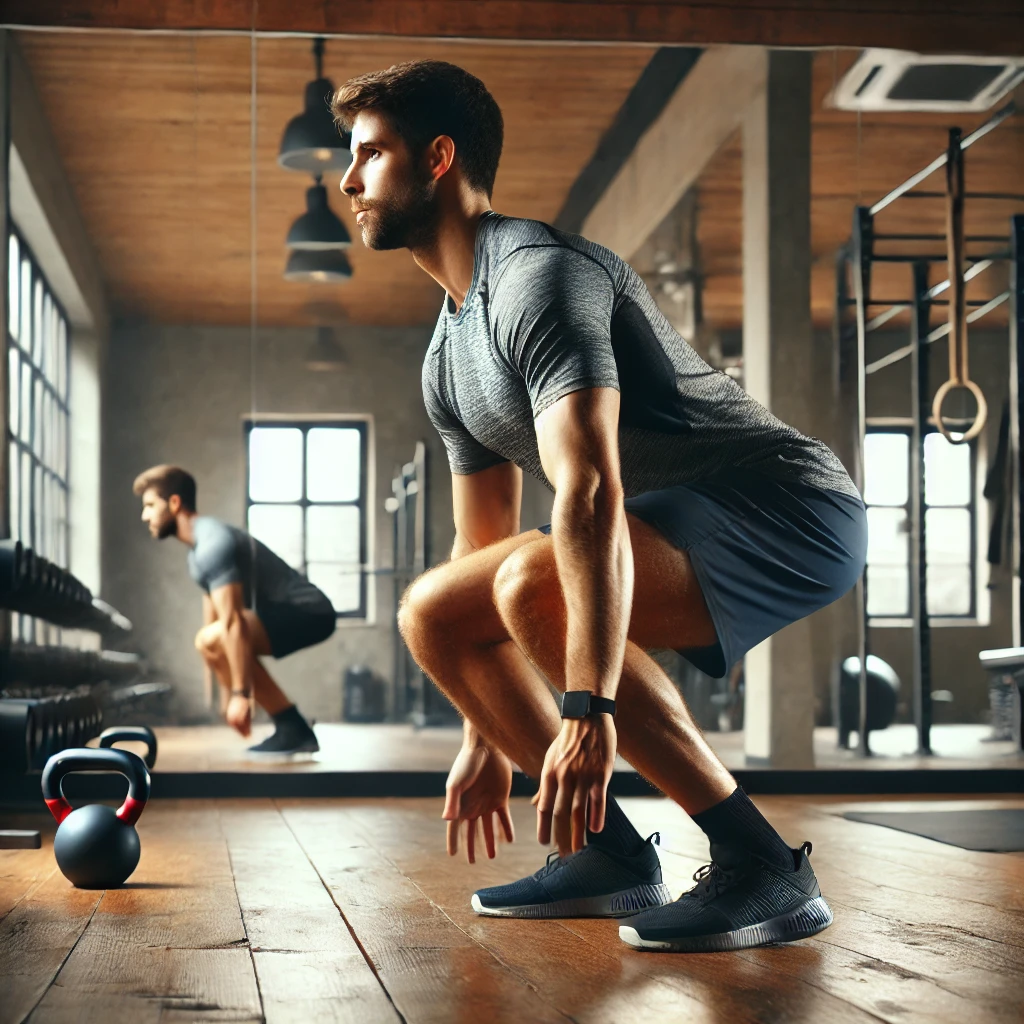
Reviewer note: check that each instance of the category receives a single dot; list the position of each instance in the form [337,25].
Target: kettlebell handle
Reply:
[131,734]
[85,759]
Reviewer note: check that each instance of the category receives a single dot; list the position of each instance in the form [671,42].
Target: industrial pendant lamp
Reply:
[319,227]
[312,142]
[317,265]
[324,355]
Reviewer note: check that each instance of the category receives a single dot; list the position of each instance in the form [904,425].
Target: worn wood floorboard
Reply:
[582,965]
[170,945]
[348,910]
[433,970]
[309,966]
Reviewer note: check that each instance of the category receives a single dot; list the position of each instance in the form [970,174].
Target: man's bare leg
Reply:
[452,621]
[267,694]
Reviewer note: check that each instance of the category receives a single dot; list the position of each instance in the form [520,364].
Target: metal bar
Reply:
[940,161]
[942,330]
[937,238]
[906,303]
[922,673]
[1013,197]
[863,230]
[988,257]
[1016,418]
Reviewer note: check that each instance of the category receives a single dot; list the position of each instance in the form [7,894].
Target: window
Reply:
[38,357]
[950,524]
[306,500]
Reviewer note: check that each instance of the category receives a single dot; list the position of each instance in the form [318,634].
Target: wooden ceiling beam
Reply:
[955,26]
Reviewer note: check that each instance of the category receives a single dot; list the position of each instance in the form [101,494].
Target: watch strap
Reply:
[583,703]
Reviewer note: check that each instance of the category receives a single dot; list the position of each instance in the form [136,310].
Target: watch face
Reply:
[575,703]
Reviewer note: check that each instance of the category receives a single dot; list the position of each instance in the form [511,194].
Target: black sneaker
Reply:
[739,901]
[590,883]
[285,742]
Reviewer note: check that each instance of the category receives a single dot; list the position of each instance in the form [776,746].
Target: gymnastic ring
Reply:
[979,417]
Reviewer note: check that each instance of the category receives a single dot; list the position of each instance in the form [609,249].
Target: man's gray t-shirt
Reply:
[223,555]
[547,314]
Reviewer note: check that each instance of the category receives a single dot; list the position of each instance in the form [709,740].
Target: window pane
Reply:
[37,418]
[26,401]
[341,585]
[62,363]
[26,498]
[333,469]
[887,536]
[280,528]
[13,291]
[948,536]
[947,472]
[14,505]
[37,325]
[39,508]
[275,464]
[949,590]
[886,468]
[332,534]
[25,334]
[888,590]
[14,387]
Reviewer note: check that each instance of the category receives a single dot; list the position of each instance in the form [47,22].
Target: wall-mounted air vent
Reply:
[899,80]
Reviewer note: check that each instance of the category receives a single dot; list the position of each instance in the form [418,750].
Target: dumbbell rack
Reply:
[35,725]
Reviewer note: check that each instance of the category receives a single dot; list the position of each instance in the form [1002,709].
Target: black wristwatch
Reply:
[582,703]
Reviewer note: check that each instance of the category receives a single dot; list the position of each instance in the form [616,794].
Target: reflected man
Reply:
[254,606]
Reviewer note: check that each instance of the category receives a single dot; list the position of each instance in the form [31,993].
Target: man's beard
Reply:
[403,221]
[168,528]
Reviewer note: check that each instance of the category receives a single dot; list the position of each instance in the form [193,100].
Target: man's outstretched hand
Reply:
[477,793]
[577,769]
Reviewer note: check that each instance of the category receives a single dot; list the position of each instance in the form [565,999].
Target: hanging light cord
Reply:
[318,55]
[252,216]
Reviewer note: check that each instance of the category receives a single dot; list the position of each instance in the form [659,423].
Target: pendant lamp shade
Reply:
[324,355]
[312,141]
[328,266]
[319,227]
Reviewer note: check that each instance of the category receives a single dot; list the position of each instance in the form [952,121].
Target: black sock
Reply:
[618,834]
[737,822]
[290,719]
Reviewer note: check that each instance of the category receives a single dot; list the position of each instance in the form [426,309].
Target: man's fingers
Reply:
[597,807]
[545,801]
[453,838]
[562,815]
[452,804]
[579,818]
[471,840]
[506,823]
[488,823]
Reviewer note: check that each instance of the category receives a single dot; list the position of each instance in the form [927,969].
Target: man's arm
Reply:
[209,616]
[486,507]
[579,450]
[578,441]
[229,604]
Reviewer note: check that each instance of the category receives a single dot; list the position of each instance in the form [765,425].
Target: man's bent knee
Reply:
[421,610]
[209,641]
[527,583]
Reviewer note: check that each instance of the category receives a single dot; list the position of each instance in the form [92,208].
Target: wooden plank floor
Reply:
[345,910]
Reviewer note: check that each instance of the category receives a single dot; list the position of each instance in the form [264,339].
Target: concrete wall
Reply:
[178,394]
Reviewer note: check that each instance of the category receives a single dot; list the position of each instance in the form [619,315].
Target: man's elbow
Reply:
[591,491]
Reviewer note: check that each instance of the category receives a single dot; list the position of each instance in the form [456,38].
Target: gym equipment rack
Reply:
[35,721]
[853,267]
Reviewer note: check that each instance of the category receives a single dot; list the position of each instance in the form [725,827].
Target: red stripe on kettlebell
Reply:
[59,808]
[131,810]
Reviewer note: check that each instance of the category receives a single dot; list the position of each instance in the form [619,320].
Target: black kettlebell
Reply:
[96,847]
[130,734]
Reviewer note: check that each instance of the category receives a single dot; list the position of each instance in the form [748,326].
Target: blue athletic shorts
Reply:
[766,553]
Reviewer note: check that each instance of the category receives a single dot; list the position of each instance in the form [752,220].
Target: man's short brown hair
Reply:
[168,480]
[423,99]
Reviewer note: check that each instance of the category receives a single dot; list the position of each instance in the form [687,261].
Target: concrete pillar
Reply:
[781,368]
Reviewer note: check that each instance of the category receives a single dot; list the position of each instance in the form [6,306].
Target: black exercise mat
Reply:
[995,831]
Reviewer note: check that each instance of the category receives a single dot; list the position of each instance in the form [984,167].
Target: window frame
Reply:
[977,508]
[363,424]
[54,466]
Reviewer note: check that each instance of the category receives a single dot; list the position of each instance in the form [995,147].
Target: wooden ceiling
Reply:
[861,161]
[154,132]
